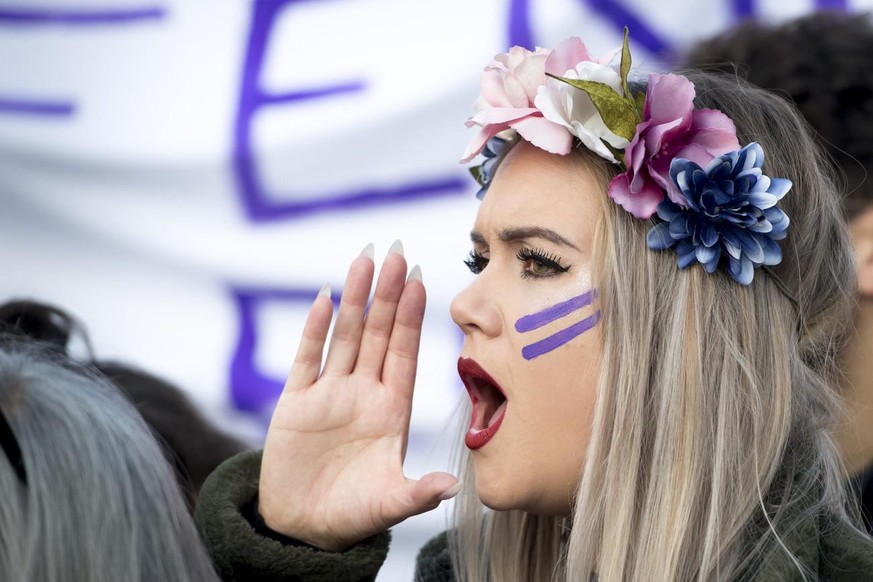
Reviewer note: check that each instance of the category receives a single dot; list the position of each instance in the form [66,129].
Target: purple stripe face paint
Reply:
[550,314]
[553,313]
[557,340]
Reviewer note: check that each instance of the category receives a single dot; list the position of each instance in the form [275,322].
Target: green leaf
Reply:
[625,66]
[640,99]
[619,114]
[476,171]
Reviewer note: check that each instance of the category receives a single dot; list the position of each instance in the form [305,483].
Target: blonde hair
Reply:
[710,441]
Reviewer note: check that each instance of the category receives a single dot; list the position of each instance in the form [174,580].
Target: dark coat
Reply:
[225,518]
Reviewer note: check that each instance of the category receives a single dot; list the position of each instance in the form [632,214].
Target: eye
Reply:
[539,264]
[476,262]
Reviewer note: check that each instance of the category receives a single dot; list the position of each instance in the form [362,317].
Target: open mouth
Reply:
[489,403]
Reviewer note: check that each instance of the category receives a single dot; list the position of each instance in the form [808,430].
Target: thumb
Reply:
[425,494]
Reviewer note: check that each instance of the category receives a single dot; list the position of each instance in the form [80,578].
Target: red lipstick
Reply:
[489,403]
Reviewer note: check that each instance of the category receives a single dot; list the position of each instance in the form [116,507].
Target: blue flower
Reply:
[494,150]
[731,211]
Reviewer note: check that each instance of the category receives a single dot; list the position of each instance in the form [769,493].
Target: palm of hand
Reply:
[332,467]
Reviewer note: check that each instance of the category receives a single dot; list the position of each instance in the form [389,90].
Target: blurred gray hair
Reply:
[100,502]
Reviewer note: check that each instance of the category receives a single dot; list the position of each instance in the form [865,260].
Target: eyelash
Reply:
[541,258]
[477,262]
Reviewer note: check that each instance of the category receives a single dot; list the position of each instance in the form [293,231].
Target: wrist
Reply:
[259,524]
[259,518]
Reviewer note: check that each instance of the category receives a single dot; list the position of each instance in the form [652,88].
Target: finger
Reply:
[401,359]
[380,317]
[307,362]
[418,496]
[346,338]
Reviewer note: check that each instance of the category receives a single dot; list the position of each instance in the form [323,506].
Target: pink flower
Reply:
[671,128]
[509,91]
[509,87]
[570,53]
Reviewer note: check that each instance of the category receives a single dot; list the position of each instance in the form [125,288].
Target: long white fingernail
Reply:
[415,274]
[368,251]
[397,247]
[451,491]
[324,291]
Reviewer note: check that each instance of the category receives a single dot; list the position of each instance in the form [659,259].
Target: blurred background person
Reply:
[190,443]
[823,64]
[87,492]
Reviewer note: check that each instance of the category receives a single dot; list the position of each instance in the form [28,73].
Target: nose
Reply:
[475,310]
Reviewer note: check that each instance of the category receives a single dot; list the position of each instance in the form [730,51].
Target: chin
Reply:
[497,492]
[496,502]
[506,500]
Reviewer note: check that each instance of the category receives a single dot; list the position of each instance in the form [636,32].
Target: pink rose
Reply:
[509,91]
[509,87]
[671,128]
[567,55]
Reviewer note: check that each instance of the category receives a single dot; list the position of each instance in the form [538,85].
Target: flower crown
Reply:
[681,164]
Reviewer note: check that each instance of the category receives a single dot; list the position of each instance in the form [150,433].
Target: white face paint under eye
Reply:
[554,313]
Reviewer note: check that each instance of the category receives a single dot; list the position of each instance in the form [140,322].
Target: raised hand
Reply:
[332,471]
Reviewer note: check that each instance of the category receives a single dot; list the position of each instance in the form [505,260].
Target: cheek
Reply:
[568,414]
[550,328]
[567,386]
[564,406]
[546,432]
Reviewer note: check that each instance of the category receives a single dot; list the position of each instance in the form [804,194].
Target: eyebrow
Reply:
[509,235]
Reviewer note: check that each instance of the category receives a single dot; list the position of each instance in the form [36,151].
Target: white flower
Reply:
[566,105]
